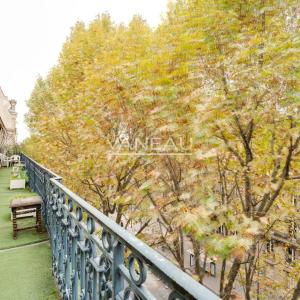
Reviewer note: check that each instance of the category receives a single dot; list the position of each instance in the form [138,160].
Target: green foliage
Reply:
[20,174]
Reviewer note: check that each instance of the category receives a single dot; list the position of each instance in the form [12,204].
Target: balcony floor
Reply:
[25,271]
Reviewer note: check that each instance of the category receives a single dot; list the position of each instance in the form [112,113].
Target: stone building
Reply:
[8,115]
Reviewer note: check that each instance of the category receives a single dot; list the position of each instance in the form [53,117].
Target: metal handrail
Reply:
[95,258]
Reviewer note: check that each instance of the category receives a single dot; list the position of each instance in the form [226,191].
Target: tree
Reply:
[180,131]
[246,74]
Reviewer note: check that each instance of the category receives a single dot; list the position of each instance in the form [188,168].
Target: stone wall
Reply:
[8,121]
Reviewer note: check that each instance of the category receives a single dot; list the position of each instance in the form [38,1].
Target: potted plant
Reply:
[18,178]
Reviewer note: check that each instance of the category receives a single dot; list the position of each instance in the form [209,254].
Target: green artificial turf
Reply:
[25,273]
[6,195]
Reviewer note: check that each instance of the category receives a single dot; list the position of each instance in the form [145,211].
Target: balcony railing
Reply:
[95,258]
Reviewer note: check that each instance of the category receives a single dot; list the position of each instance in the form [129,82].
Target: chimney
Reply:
[12,109]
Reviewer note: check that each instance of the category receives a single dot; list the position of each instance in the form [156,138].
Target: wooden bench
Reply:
[26,208]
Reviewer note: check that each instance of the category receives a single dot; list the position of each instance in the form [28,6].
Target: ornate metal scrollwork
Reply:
[176,296]
[129,294]
[107,240]
[79,214]
[90,225]
[90,252]
[137,276]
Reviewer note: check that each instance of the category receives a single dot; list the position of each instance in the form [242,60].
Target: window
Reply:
[213,269]
[293,229]
[290,254]
[270,246]
[222,230]
[296,202]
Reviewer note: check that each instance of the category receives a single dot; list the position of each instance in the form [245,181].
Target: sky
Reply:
[32,33]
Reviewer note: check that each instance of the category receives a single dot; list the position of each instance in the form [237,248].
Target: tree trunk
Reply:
[196,248]
[199,270]
[182,252]
[247,293]
[248,283]
[222,277]
[202,270]
[231,278]
[178,254]
[250,271]
[119,214]
[296,295]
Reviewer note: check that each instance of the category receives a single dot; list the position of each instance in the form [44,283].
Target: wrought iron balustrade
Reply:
[95,258]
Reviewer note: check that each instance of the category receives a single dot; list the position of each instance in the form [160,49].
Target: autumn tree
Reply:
[246,74]
[220,77]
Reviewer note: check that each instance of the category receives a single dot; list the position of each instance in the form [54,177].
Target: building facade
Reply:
[8,115]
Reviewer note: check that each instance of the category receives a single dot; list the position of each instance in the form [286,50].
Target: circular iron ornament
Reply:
[54,194]
[88,267]
[79,213]
[59,196]
[140,276]
[107,240]
[106,292]
[59,208]
[69,220]
[90,248]
[63,197]
[105,263]
[130,295]
[175,296]
[90,225]
[77,231]
[70,205]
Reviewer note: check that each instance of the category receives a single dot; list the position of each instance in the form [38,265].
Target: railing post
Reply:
[34,179]
[74,271]
[118,260]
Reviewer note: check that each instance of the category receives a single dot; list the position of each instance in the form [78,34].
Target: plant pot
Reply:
[17,184]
